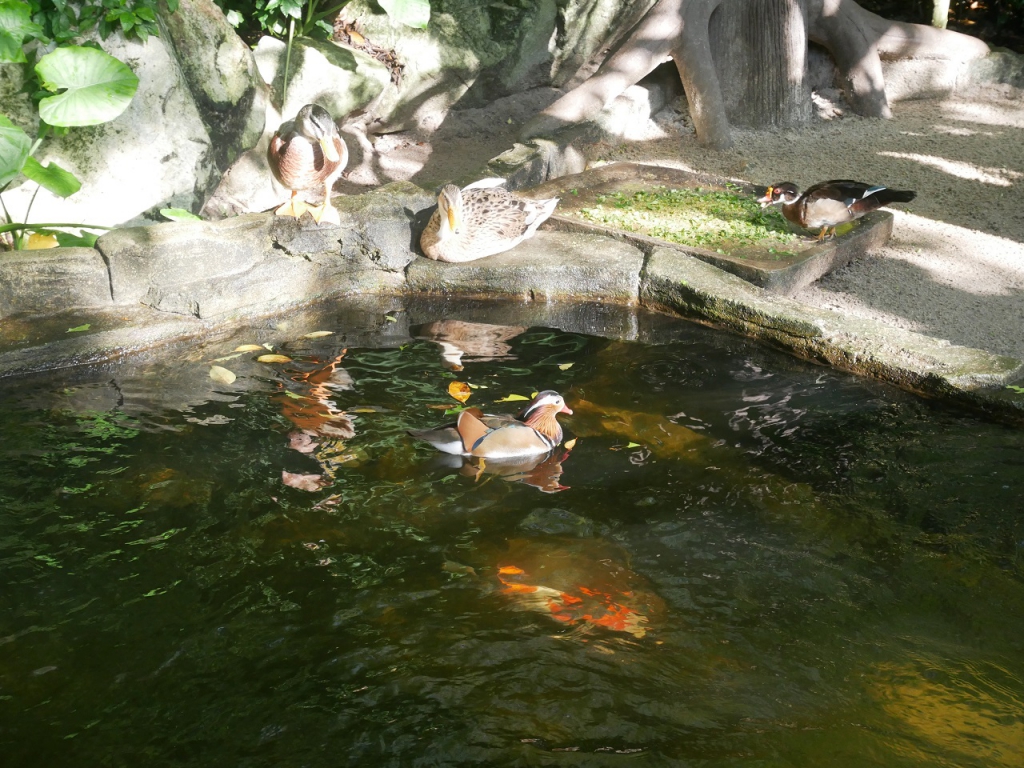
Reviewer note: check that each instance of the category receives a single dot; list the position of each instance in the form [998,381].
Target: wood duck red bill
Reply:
[831,203]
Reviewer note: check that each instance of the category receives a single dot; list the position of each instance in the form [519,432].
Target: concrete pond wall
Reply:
[148,286]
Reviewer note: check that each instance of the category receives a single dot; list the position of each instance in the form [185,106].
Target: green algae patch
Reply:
[721,220]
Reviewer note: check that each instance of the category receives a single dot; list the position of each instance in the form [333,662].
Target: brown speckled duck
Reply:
[307,152]
[830,203]
[480,220]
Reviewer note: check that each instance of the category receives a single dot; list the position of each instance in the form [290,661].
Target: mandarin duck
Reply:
[480,220]
[304,153]
[831,203]
[536,430]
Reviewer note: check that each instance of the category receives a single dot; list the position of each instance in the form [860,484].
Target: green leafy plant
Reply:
[289,19]
[62,21]
[77,86]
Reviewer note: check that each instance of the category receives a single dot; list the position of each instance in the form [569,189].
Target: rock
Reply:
[558,522]
[339,79]
[39,282]
[221,74]
[258,263]
[550,266]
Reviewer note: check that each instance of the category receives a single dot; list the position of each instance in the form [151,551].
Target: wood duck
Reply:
[831,203]
[536,430]
[307,152]
[481,220]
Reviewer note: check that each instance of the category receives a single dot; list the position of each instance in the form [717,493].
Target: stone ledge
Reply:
[910,360]
[552,266]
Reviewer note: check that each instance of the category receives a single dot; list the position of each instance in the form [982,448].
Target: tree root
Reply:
[679,30]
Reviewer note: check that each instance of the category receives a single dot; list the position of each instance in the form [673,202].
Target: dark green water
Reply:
[753,562]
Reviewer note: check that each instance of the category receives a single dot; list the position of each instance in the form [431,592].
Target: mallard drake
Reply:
[304,153]
[535,430]
[480,220]
[831,203]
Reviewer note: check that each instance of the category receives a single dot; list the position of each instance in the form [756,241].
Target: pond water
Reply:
[744,560]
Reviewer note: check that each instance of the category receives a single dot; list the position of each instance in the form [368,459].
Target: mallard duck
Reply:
[831,203]
[535,430]
[480,220]
[304,153]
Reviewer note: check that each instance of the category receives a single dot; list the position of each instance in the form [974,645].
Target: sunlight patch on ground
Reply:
[1000,177]
[985,112]
[961,258]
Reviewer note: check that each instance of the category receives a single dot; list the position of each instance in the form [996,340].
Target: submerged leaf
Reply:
[570,444]
[460,391]
[565,366]
[317,334]
[77,328]
[273,359]
[511,399]
[248,348]
[221,375]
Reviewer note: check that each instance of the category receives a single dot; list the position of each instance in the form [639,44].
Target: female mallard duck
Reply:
[831,203]
[536,430]
[480,220]
[307,152]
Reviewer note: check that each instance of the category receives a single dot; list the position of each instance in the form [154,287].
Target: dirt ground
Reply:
[954,268]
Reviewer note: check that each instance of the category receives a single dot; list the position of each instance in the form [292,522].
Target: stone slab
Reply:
[551,266]
[695,289]
[37,282]
[785,275]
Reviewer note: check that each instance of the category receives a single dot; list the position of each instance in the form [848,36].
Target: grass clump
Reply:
[714,219]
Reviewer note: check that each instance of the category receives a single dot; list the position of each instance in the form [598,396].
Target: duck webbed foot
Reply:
[294,207]
[325,212]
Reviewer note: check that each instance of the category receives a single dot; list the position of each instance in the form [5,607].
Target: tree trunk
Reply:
[940,13]
[745,61]
[760,53]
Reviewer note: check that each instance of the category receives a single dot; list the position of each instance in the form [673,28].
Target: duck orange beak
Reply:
[766,199]
[566,409]
[453,220]
[330,151]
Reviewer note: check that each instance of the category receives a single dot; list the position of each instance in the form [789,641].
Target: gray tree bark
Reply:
[754,47]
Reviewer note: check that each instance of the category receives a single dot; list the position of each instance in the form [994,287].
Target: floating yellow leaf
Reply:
[570,444]
[317,334]
[248,348]
[460,391]
[227,357]
[221,375]
[511,398]
[565,366]
[273,359]
[631,444]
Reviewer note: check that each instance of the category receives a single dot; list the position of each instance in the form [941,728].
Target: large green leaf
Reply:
[15,25]
[52,177]
[412,13]
[99,87]
[14,148]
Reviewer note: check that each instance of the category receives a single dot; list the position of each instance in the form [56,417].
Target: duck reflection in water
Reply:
[321,428]
[543,472]
[461,338]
